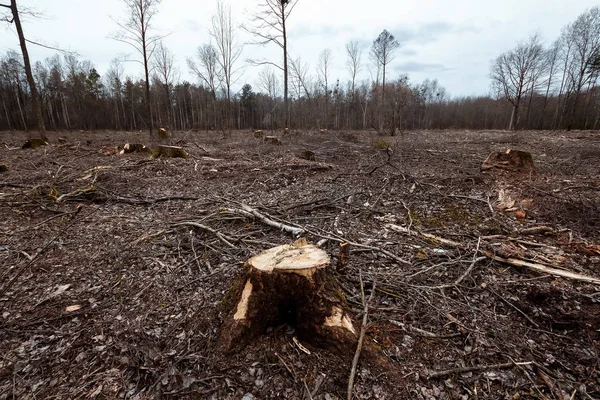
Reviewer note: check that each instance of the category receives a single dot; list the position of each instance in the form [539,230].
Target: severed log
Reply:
[289,284]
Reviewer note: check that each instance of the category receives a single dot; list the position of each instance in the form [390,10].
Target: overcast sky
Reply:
[452,41]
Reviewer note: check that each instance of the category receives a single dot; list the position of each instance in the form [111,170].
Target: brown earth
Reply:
[105,294]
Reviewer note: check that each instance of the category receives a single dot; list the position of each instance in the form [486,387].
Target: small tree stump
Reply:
[288,284]
[35,143]
[3,168]
[258,134]
[308,155]
[163,133]
[511,160]
[273,140]
[169,152]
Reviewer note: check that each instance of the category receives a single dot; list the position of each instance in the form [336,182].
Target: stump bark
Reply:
[169,152]
[289,284]
[511,160]
[35,143]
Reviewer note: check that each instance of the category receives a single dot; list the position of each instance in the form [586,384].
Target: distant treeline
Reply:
[532,88]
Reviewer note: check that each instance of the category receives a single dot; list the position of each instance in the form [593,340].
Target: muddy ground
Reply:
[106,293]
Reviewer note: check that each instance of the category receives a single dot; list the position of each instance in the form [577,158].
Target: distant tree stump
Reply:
[163,133]
[308,155]
[511,160]
[35,143]
[3,168]
[289,284]
[169,152]
[258,134]
[273,140]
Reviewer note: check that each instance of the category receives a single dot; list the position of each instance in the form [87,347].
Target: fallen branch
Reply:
[467,272]
[223,238]
[361,338]
[537,230]
[455,371]
[252,213]
[437,239]
[542,268]
[510,261]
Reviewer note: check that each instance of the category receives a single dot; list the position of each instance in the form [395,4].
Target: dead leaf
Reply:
[520,214]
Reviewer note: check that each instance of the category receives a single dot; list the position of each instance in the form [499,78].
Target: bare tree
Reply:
[383,52]
[15,18]
[227,45]
[206,69]
[134,31]
[323,69]
[114,82]
[354,52]
[583,37]
[269,25]
[300,78]
[268,81]
[165,72]
[515,73]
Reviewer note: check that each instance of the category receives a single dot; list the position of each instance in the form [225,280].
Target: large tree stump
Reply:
[169,152]
[35,143]
[511,160]
[289,284]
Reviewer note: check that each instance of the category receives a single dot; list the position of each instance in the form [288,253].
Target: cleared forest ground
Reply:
[105,292]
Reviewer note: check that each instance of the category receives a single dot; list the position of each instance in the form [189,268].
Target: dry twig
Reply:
[362,333]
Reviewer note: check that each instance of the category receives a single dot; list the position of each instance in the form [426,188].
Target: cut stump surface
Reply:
[289,284]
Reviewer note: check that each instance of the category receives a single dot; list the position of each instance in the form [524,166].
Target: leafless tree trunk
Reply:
[354,52]
[134,31]
[269,25]
[228,48]
[584,35]
[37,108]
[323,68]
[165,74]
[514,73]
[206,70]
[383,52]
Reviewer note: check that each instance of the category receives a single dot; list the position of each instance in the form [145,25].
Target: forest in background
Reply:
[532,86]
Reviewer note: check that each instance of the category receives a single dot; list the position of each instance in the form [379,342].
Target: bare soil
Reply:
[106,293]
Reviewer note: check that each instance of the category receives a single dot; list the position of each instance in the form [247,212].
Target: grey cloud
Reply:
[427,32]
[192,25]
[321,31]
[416,66]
